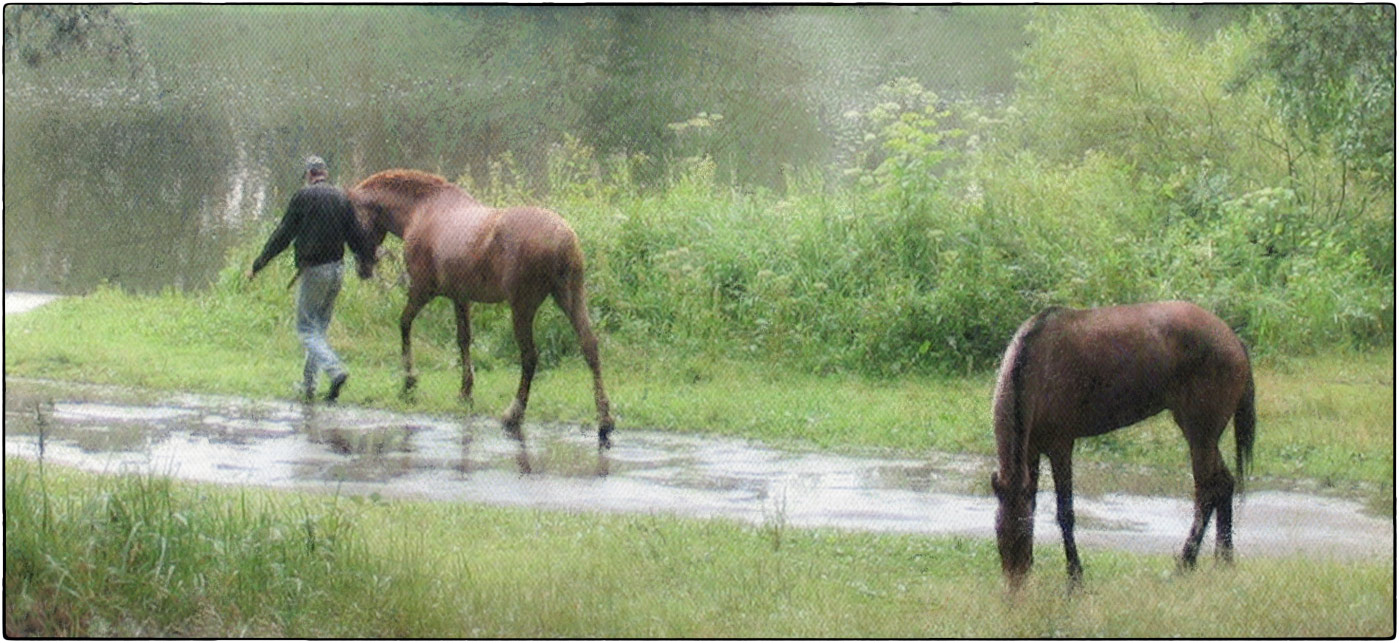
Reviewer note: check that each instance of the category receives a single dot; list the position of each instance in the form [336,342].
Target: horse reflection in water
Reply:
[388,451]
[371,452]
[1071,374]
[455,247]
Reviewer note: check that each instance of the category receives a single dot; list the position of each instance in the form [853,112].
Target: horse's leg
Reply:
[1214,491]
[1224,516]
[468,373]
[522,315]
[574,304]
[1220,494]
[1034,483]
[1061,459]
[416,300]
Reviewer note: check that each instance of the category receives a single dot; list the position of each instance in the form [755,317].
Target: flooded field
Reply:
[349,450]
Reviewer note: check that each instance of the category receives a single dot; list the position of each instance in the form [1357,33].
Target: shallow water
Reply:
[23,302]
[284,444]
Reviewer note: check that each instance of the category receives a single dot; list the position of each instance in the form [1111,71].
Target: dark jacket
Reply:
[320,221]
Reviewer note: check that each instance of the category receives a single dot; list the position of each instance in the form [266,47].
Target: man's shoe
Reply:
[335,386]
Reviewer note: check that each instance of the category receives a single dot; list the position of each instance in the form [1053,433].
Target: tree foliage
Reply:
[1134,166]
[1334,65]
[40,34]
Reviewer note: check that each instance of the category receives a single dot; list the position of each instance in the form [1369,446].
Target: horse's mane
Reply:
[412,183]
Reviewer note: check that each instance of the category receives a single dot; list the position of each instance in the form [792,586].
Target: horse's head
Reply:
[1014,528]
[386,201]
[370,216]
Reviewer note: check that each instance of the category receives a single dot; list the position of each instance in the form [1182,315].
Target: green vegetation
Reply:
[870,309]
[134,556]
[1325,418]
[1335,73]
[858,299]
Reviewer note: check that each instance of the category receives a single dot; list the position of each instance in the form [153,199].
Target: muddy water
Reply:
[451,458]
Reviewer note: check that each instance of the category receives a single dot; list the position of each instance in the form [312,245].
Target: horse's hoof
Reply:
[1014,584]
[604,435]
[409,382]
[514,420]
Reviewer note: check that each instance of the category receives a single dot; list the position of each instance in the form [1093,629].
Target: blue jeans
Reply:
[315,301]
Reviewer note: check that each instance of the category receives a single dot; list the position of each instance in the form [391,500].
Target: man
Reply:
[320,222]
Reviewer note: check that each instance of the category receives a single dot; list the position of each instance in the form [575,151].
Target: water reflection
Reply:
[138,196]
[371,450]
[470,459]
[149,194]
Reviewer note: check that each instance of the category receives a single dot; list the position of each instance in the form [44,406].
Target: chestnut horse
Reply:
[1070,374]
[455,247]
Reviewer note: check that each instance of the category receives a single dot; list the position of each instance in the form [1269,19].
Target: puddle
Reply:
[285,444]
[20,302]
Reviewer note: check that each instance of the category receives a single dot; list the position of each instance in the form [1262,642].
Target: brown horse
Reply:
[455,247]
[1071,374]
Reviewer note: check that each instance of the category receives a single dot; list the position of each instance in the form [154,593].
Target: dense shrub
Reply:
[1130,167]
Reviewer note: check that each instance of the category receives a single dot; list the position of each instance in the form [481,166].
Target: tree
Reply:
[1334,66]
[657,67]
[39,34]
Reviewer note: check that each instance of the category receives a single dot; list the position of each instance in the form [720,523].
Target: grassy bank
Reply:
[1327,418]
[105,556]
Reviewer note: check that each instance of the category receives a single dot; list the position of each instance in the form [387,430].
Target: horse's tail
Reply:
[1008,407]
[1245,417]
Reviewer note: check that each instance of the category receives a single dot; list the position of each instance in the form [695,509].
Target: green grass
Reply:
[1327,419]
[102,556]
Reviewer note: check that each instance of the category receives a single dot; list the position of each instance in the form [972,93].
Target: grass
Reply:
[141,556]
[1327,418]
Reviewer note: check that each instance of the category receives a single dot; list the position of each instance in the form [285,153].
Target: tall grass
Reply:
[830,278]
[135,556]
[140,556]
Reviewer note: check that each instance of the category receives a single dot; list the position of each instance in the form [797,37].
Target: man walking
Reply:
[320,222]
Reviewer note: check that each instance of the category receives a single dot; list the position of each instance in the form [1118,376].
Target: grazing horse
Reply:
[1070,374]
[455,247]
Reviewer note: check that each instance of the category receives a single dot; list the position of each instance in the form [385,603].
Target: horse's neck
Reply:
[401,216]
[461,199]
[397,221]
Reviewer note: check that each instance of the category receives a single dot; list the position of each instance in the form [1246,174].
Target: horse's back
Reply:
[492,254]
[1106,368]
[1200,342]
[1171,334]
